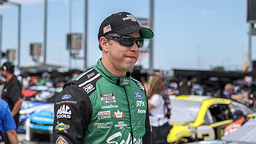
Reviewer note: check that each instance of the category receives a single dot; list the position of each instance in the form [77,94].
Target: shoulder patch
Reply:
[87,80]
[139,84]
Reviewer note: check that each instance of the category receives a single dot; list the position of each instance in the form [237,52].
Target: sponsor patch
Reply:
[66,96]
[64,112]
[90,75]
[62,127]
[103,125]
[141,111]
[121,124]
[62,102]
[108,98]
[138,95]
[125,82]
[104,114]
[140,103]
[88,88]
[61,140]
[118,114]
[110,106]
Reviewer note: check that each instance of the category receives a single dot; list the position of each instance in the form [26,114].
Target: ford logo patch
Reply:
[66,96]
[138,95]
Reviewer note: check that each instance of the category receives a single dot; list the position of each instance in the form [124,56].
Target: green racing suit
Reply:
[98,107]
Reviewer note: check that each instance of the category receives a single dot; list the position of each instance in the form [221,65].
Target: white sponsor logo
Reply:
[127,141]
[121,124]
[130,17]
[140,103]
[88,88]
[90,75]
[103,125]
[125,82]
[110,106]
[141,111]
[64,112]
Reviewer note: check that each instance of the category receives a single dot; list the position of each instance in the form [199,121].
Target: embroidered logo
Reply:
[118,114]
[138,95]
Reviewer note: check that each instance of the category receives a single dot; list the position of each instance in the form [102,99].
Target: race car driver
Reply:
[104,104]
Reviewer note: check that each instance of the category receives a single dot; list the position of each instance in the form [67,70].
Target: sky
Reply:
[189,34]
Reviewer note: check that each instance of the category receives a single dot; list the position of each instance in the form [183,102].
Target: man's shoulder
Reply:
[139,84]
[85,81]
[86,77]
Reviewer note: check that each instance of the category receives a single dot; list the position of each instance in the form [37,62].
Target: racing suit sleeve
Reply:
[72,114]
[147,138]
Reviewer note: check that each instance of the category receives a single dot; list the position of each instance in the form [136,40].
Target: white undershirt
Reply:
[157,115]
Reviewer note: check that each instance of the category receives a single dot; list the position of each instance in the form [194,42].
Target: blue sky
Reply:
[189,34]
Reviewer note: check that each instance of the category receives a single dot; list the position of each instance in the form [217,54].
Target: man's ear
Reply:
[104,43]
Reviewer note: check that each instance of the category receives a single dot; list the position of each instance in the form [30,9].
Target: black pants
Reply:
[159,134]
[1,137]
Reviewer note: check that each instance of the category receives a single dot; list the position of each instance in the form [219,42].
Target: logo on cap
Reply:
[130,17]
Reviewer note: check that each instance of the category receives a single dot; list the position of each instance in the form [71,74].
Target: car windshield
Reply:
[184,110]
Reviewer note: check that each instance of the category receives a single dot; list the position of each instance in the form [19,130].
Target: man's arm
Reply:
[13,137]
[17,106]
[76,117]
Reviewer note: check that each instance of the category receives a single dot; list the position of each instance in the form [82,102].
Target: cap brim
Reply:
[144,32]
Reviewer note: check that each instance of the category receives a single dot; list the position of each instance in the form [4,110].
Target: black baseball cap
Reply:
[8,66]
[123,23]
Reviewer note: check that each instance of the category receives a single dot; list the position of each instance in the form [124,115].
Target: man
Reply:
[104,104]
[12,90]
[196,88]
[229,93]
[7,123]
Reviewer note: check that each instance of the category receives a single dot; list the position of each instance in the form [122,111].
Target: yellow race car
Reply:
[196,118]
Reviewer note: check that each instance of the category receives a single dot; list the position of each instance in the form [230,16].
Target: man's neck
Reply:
[112,69]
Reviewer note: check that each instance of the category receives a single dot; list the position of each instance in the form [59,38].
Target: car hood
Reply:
[245,134]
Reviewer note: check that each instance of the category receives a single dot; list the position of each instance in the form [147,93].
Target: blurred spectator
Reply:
[229,93]
[157,72]
[172,88]
[31,82]
[11,91]
[184,87]
[156,106]
[75,74]
[196,88]
[7,124]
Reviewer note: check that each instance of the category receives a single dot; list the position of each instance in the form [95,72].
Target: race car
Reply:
[198,118]
[40,123]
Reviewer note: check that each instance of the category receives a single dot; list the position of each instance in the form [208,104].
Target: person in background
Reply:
[196,88]
[172,88]
[11,91]
[157,109]
[105,104]
[7,124]
[228,93]
[31,82]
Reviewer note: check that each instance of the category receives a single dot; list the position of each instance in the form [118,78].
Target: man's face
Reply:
[4,72]
[123,58]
